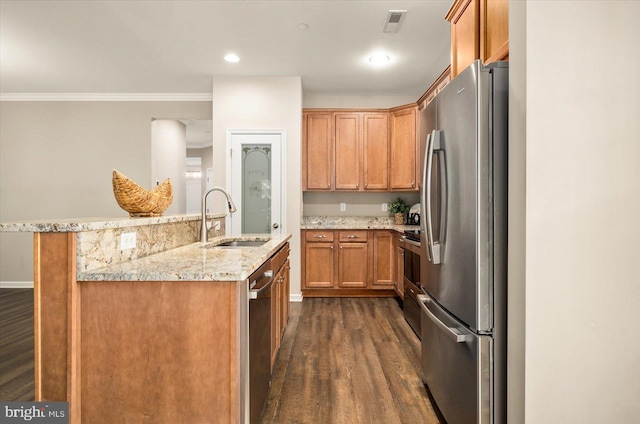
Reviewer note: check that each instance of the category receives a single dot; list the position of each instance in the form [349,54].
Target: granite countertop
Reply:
[353,223]
[73,225]
[193,262]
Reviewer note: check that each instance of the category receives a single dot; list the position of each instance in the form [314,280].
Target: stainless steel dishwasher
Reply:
[259,340]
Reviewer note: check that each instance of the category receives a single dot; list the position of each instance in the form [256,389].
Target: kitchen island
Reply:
[155,333]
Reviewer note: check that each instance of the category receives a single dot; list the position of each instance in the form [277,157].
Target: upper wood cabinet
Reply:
[494,30]
[479,30]
[404,149]
[346,150]
[317,151]
[375,139]
[361,151]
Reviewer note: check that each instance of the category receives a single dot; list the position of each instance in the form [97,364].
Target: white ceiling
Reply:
[177,46]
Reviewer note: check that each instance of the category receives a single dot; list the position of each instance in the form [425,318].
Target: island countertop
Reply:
[193,262]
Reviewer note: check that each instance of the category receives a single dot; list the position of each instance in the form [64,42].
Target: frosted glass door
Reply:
[256,188]
[255,180]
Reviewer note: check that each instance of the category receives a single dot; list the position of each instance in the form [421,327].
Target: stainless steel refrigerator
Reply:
[464,231]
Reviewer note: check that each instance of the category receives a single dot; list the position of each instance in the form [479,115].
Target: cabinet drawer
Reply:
[280,257]
[318,236]
[353,236]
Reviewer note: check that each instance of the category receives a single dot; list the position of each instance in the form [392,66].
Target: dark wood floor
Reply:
[16,345]
[349,360]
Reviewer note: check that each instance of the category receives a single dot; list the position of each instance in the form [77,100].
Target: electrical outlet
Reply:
[385,207]
[343,207]
[127,241]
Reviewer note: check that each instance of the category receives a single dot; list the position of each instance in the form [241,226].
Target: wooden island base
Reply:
[135,352]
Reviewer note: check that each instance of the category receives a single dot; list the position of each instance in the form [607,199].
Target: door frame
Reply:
[282,133]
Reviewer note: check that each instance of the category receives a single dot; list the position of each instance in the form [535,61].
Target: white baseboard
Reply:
[16,284]
[295,298]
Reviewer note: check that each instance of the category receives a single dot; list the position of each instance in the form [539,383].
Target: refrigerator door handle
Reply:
[423,194]
[452,333]
[433,248]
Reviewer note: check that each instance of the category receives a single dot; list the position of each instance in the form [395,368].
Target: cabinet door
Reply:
[383,258]
[319,265]
[403,149]
[285,287]
[399,275]
[318,139]
[353,265]
[348,151]
[465,34]
[376,151]
[276,295]
[494,30]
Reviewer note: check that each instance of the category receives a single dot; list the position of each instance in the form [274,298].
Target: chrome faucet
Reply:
[232,208]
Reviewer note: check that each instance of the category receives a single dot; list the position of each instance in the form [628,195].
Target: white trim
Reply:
[106,97]
[16,284]
[295,297]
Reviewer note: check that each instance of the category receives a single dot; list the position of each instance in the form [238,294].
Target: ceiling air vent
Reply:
[394,19]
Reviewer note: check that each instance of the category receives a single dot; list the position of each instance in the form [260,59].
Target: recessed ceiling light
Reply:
[303,27]
[379,59]
[233,58]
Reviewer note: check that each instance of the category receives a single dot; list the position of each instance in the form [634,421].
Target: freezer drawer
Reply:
[456,366]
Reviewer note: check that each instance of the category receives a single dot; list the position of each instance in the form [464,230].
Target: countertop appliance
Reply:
[464,233]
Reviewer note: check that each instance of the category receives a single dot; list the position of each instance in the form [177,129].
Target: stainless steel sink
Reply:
[236,244]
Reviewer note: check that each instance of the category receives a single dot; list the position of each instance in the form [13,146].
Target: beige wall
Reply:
[56,160]
[357,204]
[335,102]
[263,103]
[168,160]
[582,353]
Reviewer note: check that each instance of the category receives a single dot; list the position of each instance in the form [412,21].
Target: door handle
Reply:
[276,225]
[433,248]
[254,294]
[452,333]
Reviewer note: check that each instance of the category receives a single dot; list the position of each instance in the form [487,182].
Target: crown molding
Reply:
[106,97]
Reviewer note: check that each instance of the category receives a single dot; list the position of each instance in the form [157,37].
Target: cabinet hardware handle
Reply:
[352,236]
[317,236]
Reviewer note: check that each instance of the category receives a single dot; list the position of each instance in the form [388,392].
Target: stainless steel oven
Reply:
[412,287]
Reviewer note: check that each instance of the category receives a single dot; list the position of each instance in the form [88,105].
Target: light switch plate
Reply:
[216,225]
[127,241]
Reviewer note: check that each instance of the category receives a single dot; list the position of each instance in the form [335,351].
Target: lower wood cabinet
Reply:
[353,259]
[348,263]
[398,276]
[279,299]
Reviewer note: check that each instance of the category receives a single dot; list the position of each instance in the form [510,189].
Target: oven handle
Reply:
[414,243]
[452,333]
[254,294]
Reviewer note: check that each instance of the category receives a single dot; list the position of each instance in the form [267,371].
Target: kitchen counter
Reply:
[157,332]
[353,223]
[194,262]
